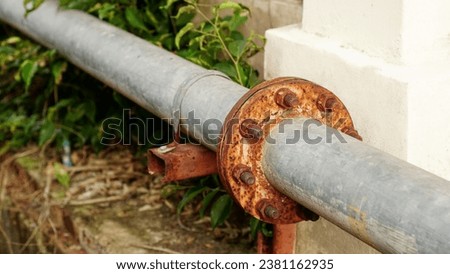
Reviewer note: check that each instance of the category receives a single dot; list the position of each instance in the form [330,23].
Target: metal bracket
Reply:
[248,126]
[181,161]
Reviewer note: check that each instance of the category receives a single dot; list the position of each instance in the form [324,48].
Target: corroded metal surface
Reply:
[282,241]
[284,237]
[248,126]
[181,161]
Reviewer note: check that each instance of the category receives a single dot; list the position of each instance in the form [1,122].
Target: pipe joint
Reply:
[248,127]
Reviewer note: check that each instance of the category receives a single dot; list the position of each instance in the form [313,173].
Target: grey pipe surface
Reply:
[388,203]
[159,81]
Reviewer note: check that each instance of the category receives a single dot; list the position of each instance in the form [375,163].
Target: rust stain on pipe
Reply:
[181,161]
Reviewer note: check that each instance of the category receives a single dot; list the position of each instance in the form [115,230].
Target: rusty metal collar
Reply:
[247,127]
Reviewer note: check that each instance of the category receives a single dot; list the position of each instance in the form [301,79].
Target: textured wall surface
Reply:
[267,14]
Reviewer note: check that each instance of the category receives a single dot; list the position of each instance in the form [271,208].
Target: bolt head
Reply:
[244,174]
[286,98]
[291,100]
[247,177]
[271,212]
[326,102]
[250,129]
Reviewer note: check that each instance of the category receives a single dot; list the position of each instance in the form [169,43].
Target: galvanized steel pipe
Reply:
[159,81]
[384,201]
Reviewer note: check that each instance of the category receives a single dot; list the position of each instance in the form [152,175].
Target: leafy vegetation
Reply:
[46,100]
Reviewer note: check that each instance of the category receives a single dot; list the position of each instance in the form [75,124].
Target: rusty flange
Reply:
[247,125]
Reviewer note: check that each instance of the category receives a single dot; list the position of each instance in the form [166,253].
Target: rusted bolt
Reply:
[250,129]
[247,177]
[271,212]
[326,102]
[244,174]
[286,98]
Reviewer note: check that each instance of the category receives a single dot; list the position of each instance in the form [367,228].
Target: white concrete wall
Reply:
[389,62]
[426,32]
[371,26]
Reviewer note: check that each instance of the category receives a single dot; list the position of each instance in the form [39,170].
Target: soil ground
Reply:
[111,205]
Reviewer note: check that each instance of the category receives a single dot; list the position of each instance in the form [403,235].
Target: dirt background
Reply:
[111,205]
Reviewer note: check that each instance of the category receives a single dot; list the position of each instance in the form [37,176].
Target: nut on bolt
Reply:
[268,210]
[271,212]
[249,128]
[326,102]
[244,174]
[286,98]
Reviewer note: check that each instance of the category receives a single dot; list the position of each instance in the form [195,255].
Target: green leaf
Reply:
[255,226]
[207,201]
[221,210]
[61,175]
[237,20]
[6,50]
[119,21]
[169,4]
[53,110]
[27,71]
[267,230]
[85,109]
[90,110]
[229,5]
[134,18]
[77,4]
[184,19]
[189,196]
[153,21]
[13,40]
[207,27]
[107,10]
[236,35]
[46,133]
[216,179]
[57,70]
[31,5]
[169,190]
[237,48]
[253,79]
[242,74]
[226,68]
[189,26]
[183,10]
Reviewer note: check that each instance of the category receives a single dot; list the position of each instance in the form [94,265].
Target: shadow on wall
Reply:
[267,14]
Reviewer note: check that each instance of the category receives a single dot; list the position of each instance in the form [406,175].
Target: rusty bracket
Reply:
[247,126]
[282,242]
[181,161]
